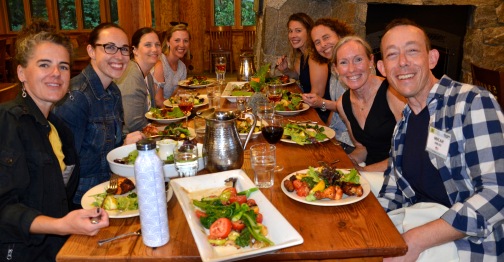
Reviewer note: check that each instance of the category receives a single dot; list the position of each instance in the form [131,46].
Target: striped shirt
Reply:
[472,173]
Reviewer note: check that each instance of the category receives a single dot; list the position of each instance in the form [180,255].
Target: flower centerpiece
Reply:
[257,83]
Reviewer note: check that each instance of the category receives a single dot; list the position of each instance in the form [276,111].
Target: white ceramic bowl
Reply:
[129,170]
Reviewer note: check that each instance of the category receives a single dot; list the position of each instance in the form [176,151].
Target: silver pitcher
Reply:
[247,69]
[222,142]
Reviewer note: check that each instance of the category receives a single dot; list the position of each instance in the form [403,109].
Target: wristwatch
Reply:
[323,108]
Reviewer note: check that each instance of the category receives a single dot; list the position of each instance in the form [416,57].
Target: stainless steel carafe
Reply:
[247,68]
[222,143]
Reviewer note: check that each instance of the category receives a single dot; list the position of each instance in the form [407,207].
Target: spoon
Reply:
[205,112]
[231,179]
[136,233]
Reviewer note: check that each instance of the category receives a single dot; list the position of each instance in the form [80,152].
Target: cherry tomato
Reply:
[239,199]
[297,184]
[303,190]
[220,228]
[238,225]
[259,218]
[200,213]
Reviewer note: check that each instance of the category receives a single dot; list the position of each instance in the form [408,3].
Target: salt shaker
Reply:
[151,192]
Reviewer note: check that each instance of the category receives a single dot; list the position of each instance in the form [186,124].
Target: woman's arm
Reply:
[282,65]
[75,222]
[159,81]
[319,73]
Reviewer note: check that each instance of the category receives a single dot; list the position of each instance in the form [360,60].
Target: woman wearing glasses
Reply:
[137,84]
[93,108]
[169,70]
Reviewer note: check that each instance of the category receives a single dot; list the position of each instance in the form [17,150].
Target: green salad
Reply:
[304,134]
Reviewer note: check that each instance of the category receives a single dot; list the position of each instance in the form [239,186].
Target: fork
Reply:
[136,233]
[111,189]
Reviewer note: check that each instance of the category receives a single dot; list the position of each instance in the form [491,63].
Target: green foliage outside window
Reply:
[67,14]
[114,16]
[39,9]
[91,13]
[16,14]
[224,12]
[248,15]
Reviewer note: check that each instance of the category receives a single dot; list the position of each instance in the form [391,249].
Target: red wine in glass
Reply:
[274,97]
[272,134]
[185,106]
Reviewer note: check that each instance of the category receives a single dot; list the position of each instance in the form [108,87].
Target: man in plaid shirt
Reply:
[448,149]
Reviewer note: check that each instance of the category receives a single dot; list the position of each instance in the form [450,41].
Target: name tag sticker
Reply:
[438,142]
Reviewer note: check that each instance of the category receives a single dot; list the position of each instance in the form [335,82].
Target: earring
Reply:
[24,90]
[70,95]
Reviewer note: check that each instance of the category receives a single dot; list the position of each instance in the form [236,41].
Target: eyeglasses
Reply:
[174,23]
[112,49]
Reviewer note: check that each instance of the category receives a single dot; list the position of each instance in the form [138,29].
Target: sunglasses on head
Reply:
[174,23]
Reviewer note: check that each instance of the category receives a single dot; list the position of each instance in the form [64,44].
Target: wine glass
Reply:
[220,69]
[272,130]
[186,103]
[264,108]
[275,93]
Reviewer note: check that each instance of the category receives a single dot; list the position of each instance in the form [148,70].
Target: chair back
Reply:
[3,62]
[8,91]
[221,38]
[492,80]
[249,36]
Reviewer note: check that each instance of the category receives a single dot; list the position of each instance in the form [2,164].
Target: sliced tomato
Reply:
[239,199]
[297,184]
[238,225]
[220,228]
[259,218]
[200,213]
[230,189]
[303,190]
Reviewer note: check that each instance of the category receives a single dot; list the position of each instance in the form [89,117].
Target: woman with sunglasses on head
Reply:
[170,69]
[39,169]
[326,33]
[93,109]
[137,84]
[312,73]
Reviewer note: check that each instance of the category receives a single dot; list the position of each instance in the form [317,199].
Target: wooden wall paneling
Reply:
[134,14]
[193,12]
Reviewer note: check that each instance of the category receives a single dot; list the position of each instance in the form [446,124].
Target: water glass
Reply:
[199,126]
[265,108]
[263,160]
[186,159]
[214,96]
[220,69]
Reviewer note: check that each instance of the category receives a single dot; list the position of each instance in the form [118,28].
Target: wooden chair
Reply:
[3,61]
[221,43]
[249,36]
[492,80]
[8,91]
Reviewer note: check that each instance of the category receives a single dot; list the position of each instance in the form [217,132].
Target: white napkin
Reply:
[419,214]
[375,180]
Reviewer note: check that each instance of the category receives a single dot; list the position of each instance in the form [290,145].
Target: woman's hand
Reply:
[282,63]
[313,100]
[133,137]
[75,222]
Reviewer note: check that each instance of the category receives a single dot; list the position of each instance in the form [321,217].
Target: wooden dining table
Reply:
[359,231]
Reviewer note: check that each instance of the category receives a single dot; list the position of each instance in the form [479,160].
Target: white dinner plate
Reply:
[291,81]
[229,89]
[346,200]
[183,83]
[205,102]
[280,231]
[87,200]
[329,132]
[294,112]
[149,116]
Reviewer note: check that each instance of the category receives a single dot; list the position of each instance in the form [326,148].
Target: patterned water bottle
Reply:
[151,195]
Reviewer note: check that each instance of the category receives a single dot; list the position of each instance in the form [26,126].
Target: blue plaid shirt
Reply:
[472,173]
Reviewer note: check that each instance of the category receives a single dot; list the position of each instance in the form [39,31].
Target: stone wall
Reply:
[483,43]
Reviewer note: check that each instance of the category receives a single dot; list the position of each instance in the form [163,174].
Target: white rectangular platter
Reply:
[280,231]
[229,88]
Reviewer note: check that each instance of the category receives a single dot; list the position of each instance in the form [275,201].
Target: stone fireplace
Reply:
[464,31]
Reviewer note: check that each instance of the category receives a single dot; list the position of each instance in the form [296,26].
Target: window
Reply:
[67,14]
[236,13]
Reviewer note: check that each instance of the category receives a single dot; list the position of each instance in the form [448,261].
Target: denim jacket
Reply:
[95,115]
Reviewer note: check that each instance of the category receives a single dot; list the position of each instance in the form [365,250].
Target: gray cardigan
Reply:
[135,97]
